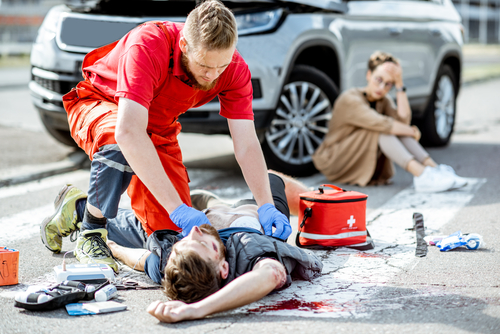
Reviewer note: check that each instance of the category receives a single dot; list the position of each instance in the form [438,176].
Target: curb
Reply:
[480,80]
[75,161]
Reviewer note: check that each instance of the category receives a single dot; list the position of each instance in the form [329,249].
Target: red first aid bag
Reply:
[333,218]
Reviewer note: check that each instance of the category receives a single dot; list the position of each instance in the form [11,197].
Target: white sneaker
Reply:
[459,181]
[433,180]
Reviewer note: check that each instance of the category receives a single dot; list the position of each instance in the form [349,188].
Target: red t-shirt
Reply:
[145,66]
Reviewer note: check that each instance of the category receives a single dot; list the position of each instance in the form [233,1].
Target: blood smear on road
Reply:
[295,304]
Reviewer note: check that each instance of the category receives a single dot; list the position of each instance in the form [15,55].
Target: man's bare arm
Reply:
[267,275]
[135,258]
[141,154]
[251,160]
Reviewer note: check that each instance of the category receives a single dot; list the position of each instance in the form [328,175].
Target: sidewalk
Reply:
[14,72]
[480,63]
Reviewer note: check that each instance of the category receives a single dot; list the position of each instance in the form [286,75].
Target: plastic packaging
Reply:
[432,240]
[22,297]
[89,288]
[454,240]
[474,241]
[105,293]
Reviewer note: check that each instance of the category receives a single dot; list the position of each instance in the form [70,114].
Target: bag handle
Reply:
[322,190]
[307,214]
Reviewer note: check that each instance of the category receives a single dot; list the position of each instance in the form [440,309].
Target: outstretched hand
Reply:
[186,218]
[269,216]
[172,311]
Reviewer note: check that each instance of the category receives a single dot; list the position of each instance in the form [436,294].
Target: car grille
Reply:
[61,87]
[257,92]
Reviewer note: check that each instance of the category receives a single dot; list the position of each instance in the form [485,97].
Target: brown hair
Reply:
[378,58]
[189,277]
[211,25]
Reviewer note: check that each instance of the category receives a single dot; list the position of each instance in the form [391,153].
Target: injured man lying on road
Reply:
[220,267]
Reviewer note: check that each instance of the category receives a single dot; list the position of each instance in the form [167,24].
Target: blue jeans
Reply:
[126,230]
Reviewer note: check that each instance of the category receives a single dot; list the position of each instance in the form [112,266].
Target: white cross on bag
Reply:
[351,221]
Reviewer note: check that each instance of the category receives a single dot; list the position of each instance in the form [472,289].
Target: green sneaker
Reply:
[91,248]
[63,221]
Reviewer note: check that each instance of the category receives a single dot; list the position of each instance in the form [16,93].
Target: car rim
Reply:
[300,123]
[444,107]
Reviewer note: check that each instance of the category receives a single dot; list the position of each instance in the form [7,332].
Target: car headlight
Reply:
[48,28]
[252,23]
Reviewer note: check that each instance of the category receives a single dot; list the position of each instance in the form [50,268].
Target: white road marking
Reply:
[26,224]
[23,225]
[351,279]
[53,181]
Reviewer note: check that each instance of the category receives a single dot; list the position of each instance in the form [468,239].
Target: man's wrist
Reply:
[202,309]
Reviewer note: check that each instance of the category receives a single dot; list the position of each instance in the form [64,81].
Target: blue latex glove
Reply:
[186,218]
[269,216]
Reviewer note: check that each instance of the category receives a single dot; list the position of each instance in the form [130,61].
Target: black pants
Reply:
[279,196]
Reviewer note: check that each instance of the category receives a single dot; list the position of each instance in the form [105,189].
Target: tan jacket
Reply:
[349,152]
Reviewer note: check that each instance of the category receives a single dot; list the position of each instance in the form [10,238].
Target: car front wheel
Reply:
[439,119]
[300,122]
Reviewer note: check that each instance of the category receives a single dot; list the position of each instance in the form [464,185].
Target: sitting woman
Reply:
[367,133]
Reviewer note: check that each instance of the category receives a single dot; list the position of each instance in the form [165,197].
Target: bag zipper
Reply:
[334,201]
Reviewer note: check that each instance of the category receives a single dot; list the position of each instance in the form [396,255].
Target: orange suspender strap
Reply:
[160,25]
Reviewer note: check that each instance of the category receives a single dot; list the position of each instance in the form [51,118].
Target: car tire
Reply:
[300,121]
[439,119]
[62,136]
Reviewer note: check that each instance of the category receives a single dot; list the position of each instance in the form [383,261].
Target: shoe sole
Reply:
[59,200]
[434,191]
[453,187]
[458,187]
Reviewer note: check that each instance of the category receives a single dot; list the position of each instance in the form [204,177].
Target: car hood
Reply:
[329,5]
[334,5]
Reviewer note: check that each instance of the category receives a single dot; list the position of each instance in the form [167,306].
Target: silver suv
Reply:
[301,53]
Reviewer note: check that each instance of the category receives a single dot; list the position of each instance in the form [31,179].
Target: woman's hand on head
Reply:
[395,71]
[172,311]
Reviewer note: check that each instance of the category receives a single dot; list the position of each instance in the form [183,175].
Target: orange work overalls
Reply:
[92,119]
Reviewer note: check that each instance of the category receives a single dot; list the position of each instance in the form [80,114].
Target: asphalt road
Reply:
[387,290]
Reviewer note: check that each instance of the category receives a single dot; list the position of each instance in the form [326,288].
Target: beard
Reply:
[190,75]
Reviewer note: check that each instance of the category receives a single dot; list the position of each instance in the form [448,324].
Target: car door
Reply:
[402,28]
